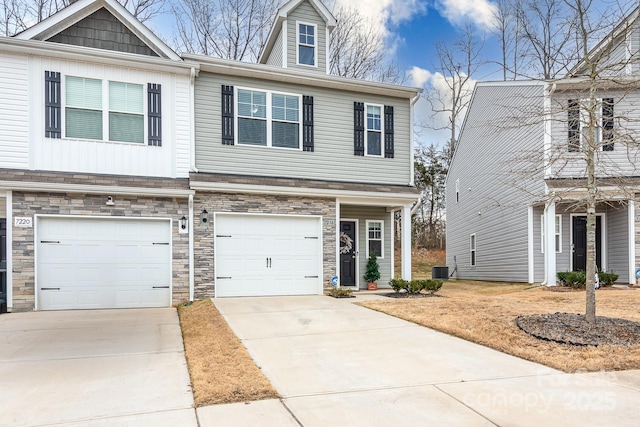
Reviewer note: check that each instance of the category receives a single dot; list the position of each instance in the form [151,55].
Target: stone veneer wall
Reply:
[251,203]
[30,204]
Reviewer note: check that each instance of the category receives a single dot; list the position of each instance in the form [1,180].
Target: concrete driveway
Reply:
[94,368]
[335,363]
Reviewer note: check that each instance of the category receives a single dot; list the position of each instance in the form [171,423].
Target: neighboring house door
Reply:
[348,253]
[579,224]
[3,265]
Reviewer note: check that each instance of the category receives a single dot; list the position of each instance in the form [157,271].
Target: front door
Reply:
[579,224]
[348,254]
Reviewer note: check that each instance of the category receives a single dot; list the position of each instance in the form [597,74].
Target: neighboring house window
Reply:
[578,124]
[268,119]
[374,131]
[473,250]
[105,110]
[307,44]
[557,233]
[457,190]
[375,239]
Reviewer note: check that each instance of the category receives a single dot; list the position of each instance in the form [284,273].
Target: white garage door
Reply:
[88,263]
[267,255]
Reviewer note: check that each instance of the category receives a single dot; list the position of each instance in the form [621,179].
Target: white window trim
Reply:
[559,234]
[366,130]
[458,190]
[381,221]
[269,118]
[473,252]
[105,110]
[584,120]
[314,46]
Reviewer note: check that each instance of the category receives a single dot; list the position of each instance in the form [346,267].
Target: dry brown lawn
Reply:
[220,367]
[485,313]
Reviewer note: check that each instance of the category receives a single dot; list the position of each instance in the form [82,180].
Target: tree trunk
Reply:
[590,157]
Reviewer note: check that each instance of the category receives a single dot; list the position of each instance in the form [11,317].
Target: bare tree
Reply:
[142,10]
[457,65]
[229,29]
[508,30]
[430,175]
[13,17]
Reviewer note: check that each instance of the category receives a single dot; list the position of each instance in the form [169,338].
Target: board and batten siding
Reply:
[14,98]
[492,174]
[171,160]
[332,158]
[622,161]
[305,13]
[362,214]
[275,56]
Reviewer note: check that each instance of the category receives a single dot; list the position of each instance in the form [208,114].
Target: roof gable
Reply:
[282,14]
[102,24]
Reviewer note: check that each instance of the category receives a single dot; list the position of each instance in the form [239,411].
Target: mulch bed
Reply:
[408,295]
[569,328]
[560,288]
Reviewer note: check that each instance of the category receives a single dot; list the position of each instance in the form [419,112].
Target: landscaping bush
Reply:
[577,279]
[399,284]
[415,286]
[607,279]
[341,292]
[433,286]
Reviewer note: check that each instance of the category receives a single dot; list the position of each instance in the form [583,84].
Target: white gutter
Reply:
[192,119]
[191,267]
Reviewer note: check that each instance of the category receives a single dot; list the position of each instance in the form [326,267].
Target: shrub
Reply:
[607,279]
[373,269]
[433,286]
[399,285]
[340,292]
[415,286]
[573,279]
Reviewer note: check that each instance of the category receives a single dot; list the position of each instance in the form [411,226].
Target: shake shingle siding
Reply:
[498,149]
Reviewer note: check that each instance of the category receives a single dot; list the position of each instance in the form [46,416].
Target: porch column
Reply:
[530,265]
[338,240]
[406,242]
[631,210]
[550,243]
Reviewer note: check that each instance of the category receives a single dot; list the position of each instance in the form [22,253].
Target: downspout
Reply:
[192,120]
[191,267]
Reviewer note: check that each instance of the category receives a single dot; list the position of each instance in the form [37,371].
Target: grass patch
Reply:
[485,313]
[220,367]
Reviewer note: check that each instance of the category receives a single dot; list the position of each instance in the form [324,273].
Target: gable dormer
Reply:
[299,37]
[100,24]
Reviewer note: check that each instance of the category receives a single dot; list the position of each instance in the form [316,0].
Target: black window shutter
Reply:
[388,131]
[52,105]
[358,128]
[307,123]
[574,124]
[227,115]
[607,124]
[154,110]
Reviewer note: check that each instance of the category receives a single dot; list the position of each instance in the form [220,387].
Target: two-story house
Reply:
[516,188]
[96,127]
[297,173]
[133,177]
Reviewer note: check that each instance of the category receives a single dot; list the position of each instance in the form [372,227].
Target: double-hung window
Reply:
[307,44]
[375,238]
[374,130]
[472,249]
[579,124]
[268,119]
[85,106]
[557,235]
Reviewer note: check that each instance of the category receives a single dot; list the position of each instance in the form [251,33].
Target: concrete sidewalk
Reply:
[335,363]
[94,368]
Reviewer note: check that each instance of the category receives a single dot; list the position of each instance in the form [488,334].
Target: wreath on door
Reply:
[346,243]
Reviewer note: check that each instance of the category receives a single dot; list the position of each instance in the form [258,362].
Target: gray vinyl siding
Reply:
[362,214]
[275,56]
[333,157]
[495,163]
[538,255]
[3,207]
[305,13]
[618,242]
[102,30]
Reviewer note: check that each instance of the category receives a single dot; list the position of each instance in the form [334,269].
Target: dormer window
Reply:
[307,44]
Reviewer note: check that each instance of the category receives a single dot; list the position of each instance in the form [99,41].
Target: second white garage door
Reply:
[258,255]
[87,263]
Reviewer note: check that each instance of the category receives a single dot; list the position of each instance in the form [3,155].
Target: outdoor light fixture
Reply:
[204,217]
[183,225]
[110,201]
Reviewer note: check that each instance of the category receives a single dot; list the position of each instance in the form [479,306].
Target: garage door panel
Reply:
[267,255]
[103,263]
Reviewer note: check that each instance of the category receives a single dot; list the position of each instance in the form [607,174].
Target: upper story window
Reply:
[268,119]
[578,124]
[307,44]
[374,130]
[101,110]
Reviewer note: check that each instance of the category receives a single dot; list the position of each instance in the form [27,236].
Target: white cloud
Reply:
[419,76]
[480,12]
